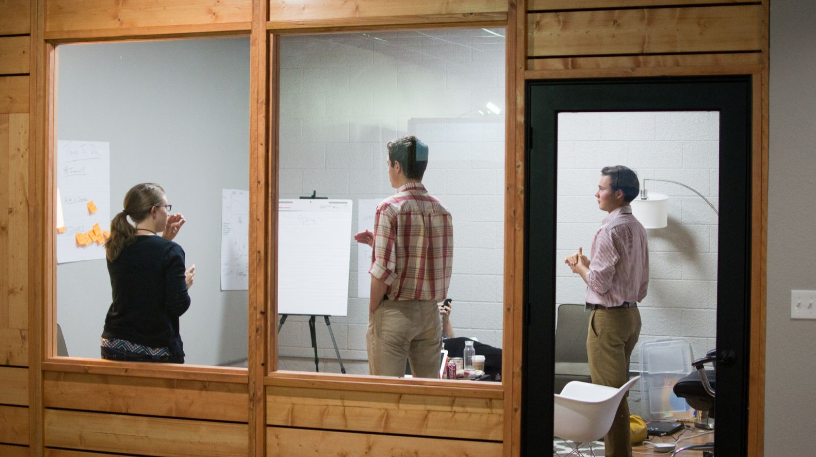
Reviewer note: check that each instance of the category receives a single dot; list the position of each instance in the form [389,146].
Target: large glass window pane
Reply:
[174,113]
[673,154]
[343,99]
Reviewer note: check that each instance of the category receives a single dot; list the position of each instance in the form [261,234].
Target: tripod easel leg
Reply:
[336,351]
[314,341]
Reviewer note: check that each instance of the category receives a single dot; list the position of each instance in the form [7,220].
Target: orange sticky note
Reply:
[106,234]
[79,237]
[91,207]
[82,239]
[96,230]
[61,230]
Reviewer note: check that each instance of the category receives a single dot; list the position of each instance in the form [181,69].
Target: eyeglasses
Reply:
[167,207]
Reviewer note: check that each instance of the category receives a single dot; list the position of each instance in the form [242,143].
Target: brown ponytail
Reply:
[139,200]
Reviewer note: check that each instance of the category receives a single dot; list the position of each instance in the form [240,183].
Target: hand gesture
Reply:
[365,238]
[444,309]
[574,259]
[174,223]
[189,276]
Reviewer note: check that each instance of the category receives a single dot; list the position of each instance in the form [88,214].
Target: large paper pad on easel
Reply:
[83,177]
[314,248]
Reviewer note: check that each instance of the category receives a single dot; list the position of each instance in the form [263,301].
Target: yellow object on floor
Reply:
[638,427]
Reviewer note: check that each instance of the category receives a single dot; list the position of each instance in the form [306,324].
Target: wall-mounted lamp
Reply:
[652,210]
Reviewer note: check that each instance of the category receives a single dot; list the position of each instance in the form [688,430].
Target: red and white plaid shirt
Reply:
[413,245]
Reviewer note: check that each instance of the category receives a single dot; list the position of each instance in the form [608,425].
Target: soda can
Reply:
[450,370]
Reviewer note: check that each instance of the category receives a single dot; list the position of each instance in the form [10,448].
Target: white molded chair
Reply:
[584,412]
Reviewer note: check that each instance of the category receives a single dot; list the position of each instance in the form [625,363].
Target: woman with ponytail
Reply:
[148,279]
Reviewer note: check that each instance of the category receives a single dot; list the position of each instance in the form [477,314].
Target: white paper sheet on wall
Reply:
[234,239]
[83,177]
[366,211]
[314,247]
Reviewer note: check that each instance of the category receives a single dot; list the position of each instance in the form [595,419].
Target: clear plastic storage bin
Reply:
[663,363]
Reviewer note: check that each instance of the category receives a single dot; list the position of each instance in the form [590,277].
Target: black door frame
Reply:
[731,96]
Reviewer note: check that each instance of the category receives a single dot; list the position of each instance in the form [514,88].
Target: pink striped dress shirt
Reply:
[619,263]
[413,245]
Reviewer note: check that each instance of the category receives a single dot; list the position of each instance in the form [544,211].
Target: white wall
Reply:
[790,345]
[677,146]
[177,113]
[343,97]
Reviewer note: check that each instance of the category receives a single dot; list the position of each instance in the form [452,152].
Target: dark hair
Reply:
[412,154]
[623,178]
[139,201]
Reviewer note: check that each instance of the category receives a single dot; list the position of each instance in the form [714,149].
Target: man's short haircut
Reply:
[412,155]
[625,179]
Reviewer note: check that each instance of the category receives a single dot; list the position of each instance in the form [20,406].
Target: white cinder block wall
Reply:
[677,146]
[343,97]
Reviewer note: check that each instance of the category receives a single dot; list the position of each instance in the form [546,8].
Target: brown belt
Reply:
[625,304]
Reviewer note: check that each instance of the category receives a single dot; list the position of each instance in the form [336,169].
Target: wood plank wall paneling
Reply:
[646,31]
[13,425]
[555,5]
[14,382]
[286,442]
[14,55]
[14,176]
[73,15]
[14,94]
[392,413]
[143,435]
[297,13]
[15,17]
[67,453]
[146,396]
[15,451]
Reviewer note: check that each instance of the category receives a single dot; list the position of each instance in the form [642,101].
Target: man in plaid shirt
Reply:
[410,270]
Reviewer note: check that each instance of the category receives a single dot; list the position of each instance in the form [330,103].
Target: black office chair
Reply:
[699,390]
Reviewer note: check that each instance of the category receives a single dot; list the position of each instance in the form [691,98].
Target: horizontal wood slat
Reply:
[15,17]
[63,15]
[555,5]
[68,453]
[14,54]
[459,20]
[146,396]
[143,435]
[13,386]
[14,451]
[14,94]
[647,31]
[323,10]
[392,413]
[13,425]
[286,442]
[13,347]
[644,66]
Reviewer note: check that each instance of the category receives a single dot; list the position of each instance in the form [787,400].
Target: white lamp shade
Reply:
[652,213]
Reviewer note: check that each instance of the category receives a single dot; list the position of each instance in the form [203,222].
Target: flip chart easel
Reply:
[312,319]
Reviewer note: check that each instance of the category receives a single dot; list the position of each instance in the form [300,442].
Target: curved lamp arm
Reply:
[644,193]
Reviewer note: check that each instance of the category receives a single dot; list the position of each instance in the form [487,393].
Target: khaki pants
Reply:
[400,330]
[612,336]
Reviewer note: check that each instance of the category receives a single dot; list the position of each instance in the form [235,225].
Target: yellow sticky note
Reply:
[96,230]
[60,229]
[91,207]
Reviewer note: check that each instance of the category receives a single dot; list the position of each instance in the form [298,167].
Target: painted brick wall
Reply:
[343,97]
[681,146]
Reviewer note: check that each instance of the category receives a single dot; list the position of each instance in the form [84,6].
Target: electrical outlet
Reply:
[803,304]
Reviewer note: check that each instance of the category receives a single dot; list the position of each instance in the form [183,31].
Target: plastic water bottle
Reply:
[468,355]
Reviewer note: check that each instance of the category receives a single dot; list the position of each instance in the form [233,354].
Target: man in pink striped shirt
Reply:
[617,277]
[411,269]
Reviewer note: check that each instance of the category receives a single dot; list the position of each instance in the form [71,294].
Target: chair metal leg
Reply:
[696,447]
